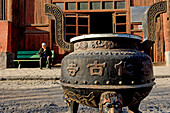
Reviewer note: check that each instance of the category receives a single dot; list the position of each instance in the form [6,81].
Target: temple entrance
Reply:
[101,23]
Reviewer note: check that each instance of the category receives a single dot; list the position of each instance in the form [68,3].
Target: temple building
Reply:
[24,25]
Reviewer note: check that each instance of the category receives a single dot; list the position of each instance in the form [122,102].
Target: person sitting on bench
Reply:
[45,55]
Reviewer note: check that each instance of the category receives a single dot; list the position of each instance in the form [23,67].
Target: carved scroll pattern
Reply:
[55,11]
[85,100]
[154,10]
[96,44]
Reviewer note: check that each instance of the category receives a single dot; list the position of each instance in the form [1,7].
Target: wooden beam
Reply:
[89,25]
[128,20]
[1,9]
[36,25]
[9,11]
[36,32]
[77,28]
[167,37]
[50,34]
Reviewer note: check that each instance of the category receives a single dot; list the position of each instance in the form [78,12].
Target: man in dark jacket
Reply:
[45,55]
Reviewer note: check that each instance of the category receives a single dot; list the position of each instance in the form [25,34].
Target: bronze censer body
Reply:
[104,70]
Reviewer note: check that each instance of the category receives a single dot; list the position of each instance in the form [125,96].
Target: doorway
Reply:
[101,23]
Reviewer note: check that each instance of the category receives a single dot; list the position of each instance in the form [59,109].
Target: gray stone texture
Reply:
[27,90]
[39,96]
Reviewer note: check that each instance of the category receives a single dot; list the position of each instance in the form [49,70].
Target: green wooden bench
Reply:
[29,56]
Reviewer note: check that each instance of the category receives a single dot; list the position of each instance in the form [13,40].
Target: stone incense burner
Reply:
[106,71]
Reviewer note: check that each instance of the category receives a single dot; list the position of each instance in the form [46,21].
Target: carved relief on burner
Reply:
[119,67]
[95,44]
[146,69]
[103,44]
[88,100]
[81,46]
[72,69]
[128,69]
[96,69]
[124,68]
[140,95]
[105,53]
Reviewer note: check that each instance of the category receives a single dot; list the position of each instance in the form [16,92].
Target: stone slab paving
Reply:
[55,72]
[31,90]
[161,71]
[29,73]
[46,96]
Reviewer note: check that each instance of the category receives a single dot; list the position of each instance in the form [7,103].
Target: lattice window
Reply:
[61,5]
[120,5]
[120,22]
[107,5]
[83,6]
[71,6]
[77,24]
[96,5]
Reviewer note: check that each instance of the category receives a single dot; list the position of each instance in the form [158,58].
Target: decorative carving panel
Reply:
[150,18]
[96,44]
[54,10]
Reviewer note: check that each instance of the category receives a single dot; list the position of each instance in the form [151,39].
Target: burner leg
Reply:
[110,102]
[73,107]
[134,108]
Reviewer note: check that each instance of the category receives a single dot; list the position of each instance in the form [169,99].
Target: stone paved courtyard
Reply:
[31,90]
[39,96]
